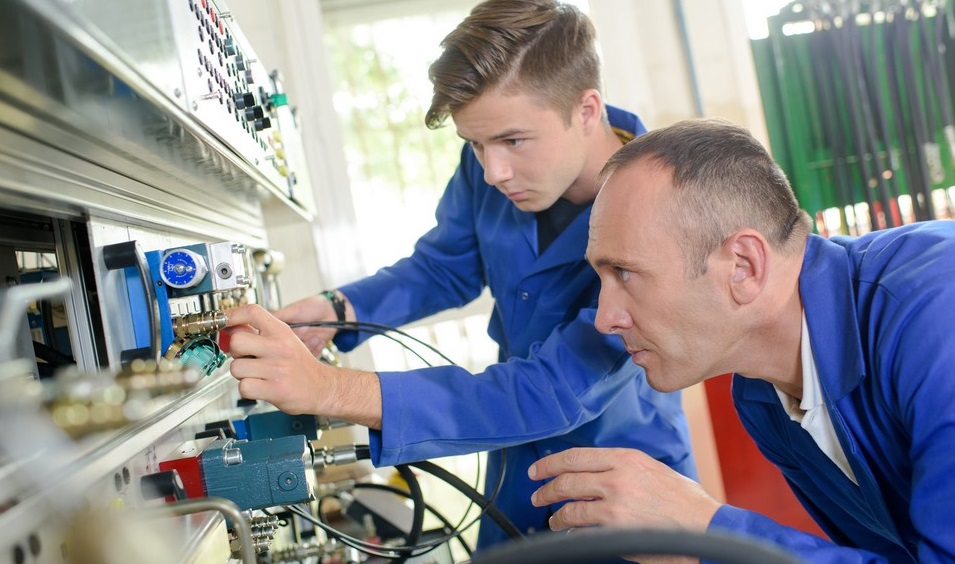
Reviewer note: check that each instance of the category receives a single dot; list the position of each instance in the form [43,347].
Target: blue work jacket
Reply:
[881,316]
[559,383]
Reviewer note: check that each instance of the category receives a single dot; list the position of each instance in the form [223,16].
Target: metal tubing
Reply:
[226,507]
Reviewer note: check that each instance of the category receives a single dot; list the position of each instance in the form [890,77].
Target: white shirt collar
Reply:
[811,412]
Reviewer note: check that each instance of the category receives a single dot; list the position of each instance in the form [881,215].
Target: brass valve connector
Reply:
[199,323]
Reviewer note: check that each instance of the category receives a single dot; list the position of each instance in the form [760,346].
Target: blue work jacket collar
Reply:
[570,245]
[825,288]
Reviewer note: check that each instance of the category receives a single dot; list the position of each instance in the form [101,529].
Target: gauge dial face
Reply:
[182,268]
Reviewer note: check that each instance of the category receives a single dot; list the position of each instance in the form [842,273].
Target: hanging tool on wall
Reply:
[879,77]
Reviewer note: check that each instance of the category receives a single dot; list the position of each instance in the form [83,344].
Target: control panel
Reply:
[172,86]
[142,145]
[177,298]
[233,94]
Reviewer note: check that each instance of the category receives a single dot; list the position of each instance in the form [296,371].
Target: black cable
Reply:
[448,526]
[870,67]
[379,329]
[921,118]
[859,116]
[868,95]
[375,328]
[417,519]
[364,325]
[820,44]
[363,452]
[493,512]
[590,545]
[391,337]
[405,551]
[369,330]
[477,483]
[460,527]
[916,174]
[358,544]
[388,552]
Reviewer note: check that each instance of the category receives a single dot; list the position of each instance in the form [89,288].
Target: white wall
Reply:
[647,67]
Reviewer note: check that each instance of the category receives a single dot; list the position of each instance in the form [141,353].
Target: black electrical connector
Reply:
[163,485]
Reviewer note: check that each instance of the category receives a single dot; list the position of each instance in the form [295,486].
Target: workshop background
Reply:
[329,175]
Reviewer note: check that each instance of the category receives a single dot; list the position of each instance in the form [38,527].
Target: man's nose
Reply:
[497,168]
[610,318]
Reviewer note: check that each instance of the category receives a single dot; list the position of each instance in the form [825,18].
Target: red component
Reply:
[205,4]
[896,213]
[880,222]
[225,339]
[751,481]
[190,471]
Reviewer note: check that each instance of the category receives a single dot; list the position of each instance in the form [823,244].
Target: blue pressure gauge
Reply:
[182,268]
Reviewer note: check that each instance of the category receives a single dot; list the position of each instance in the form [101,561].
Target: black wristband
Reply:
[338,304]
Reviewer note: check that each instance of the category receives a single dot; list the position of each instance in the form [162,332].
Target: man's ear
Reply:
[590,105]
[750,253]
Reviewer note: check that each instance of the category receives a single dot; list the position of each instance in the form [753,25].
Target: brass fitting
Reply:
[199,323]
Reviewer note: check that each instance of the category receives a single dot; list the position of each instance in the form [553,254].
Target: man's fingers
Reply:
[245,344]
[241,315]
[240,329]
[243,368]
[255,316]
[252,388]
[255,379]
[573,460]
[305,310]
[576,514]
[575,485]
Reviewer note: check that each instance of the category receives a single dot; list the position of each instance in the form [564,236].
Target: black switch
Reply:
[225,425]
[255,112]
[244,99]
[162,484]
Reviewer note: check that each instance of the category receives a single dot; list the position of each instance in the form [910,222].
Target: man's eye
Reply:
[624,275]
[514,142]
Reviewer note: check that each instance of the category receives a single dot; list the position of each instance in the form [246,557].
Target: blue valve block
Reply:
[259,474]
[274,424]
